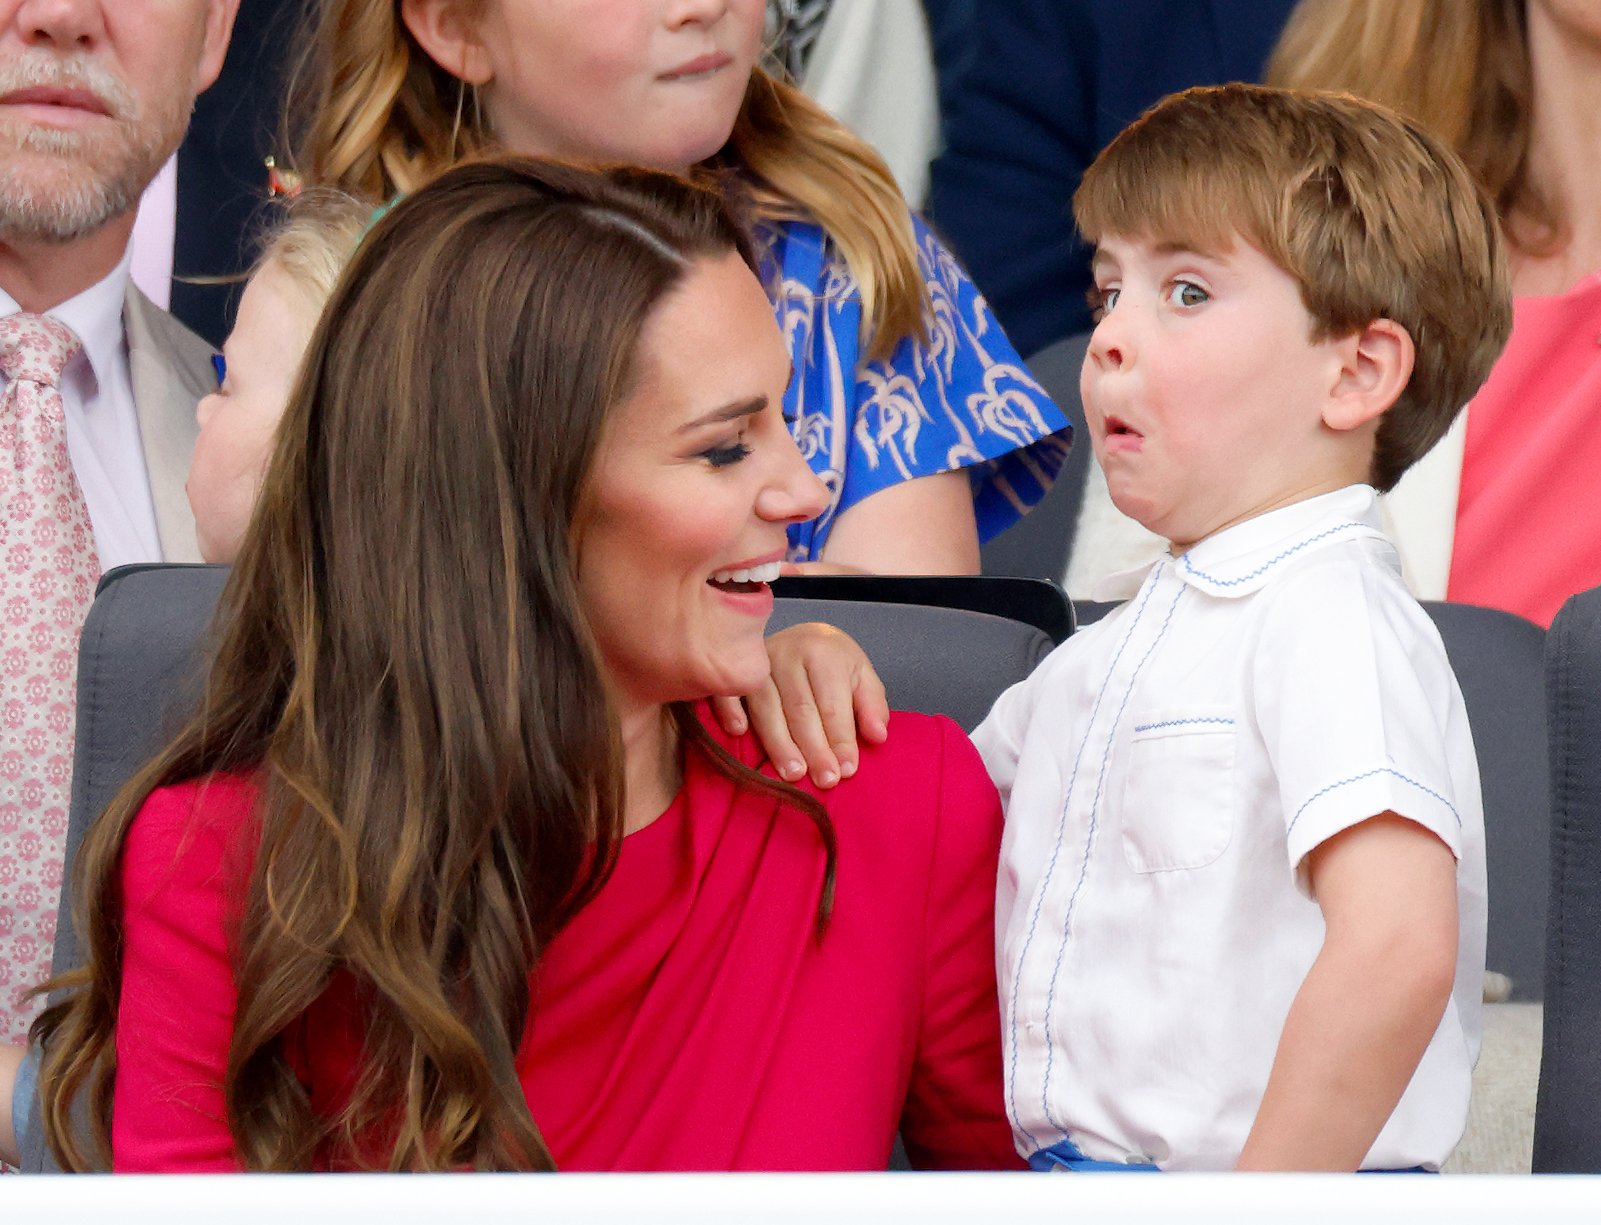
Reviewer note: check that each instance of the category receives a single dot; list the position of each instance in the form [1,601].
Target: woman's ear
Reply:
[444,29]
[1375,364]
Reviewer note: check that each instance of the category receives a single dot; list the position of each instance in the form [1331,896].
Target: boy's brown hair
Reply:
[1372,216]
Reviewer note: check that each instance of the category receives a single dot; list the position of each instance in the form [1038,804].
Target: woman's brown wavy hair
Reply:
[371,113]
[404,665]
[1461,69]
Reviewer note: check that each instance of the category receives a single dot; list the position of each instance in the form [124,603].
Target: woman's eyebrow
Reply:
[728,412]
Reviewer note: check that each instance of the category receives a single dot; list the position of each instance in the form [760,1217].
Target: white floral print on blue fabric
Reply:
[963,399]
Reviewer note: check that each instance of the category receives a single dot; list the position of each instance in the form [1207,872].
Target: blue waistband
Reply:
[1065,1155]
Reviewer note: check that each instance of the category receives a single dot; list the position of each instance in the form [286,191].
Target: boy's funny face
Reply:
[1202,389]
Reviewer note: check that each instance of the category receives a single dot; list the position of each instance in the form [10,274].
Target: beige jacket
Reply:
[171,369]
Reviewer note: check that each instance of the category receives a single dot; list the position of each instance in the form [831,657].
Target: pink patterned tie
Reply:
[48,569]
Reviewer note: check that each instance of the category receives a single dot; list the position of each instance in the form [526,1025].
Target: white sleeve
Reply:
[1000,737]
[1358,709]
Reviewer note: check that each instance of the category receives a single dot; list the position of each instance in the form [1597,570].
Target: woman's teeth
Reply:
[756,574]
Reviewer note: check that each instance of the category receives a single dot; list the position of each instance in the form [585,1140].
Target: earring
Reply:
[455,128]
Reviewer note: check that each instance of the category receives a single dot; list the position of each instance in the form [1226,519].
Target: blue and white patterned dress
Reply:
[962,400]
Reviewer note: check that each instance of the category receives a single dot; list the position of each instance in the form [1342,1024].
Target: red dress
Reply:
[688,1018]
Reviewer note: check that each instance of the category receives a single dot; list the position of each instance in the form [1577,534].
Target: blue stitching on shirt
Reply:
[1089,844]
[1151,727]
[1050,869]
[1357,778]
[1270,563]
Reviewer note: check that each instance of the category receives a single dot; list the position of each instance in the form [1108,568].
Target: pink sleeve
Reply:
[180,885]
[955,1117]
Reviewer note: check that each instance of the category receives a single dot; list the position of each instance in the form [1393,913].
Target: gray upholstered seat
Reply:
[1567,1125]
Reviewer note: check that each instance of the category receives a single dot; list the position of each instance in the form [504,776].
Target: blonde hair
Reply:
[314,241]
[1372,216]
[377,116]
[1460,69]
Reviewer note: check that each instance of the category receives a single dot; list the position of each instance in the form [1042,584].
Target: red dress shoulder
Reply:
[690,1018]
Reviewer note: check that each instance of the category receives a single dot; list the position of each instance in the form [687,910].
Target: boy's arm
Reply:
[1370,1003]
[821,693]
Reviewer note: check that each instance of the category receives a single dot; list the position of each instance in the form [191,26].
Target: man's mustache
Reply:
[35,69]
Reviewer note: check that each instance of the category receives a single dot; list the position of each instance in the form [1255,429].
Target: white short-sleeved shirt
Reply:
[1165,773]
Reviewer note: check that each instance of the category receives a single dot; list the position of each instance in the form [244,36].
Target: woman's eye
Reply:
[1187,293]
[722,457]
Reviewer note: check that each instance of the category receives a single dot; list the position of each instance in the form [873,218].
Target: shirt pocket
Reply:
[1178,793]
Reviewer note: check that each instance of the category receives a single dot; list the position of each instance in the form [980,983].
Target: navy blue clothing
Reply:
[222,183]
[1040,87]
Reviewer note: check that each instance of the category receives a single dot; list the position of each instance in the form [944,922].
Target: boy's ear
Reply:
[1375,364]
[444,29]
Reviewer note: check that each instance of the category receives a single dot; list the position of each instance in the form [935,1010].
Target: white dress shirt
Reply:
[102,425]
[1165,773]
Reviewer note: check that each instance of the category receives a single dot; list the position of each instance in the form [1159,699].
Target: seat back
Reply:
[1567,1120]
[1039,544]
[946,661]
[140,666]
[1033,601]
[1499,661]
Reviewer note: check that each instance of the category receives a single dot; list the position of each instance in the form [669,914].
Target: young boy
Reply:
[1241,918]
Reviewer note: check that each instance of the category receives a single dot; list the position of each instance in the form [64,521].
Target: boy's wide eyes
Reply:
[1186,293]
[1179,293]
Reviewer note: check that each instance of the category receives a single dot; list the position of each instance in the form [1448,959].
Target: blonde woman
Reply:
[1501,512]
[907,399]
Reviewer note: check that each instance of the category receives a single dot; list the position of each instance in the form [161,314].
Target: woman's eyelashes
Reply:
[725,454]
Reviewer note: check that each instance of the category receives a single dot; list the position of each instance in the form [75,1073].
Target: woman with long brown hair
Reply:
[451,870]
[907,401]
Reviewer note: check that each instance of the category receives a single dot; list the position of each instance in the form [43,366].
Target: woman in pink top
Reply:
[452,871]
[1504,511]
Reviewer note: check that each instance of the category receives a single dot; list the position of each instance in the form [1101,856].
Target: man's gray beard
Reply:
[85,189]
[58,186]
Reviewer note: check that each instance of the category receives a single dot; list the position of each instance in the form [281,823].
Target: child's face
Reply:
[1203,392]
[237,421]
[646,82]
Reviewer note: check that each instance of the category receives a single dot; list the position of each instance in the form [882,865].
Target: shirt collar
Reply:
[95,317]
[1246,557]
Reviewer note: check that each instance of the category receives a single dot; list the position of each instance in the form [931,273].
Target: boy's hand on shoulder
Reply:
[821,694]
[1373,999]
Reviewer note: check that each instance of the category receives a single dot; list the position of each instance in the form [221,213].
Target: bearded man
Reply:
[97,391]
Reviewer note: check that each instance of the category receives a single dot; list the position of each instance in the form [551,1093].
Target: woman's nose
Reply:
[795,493]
